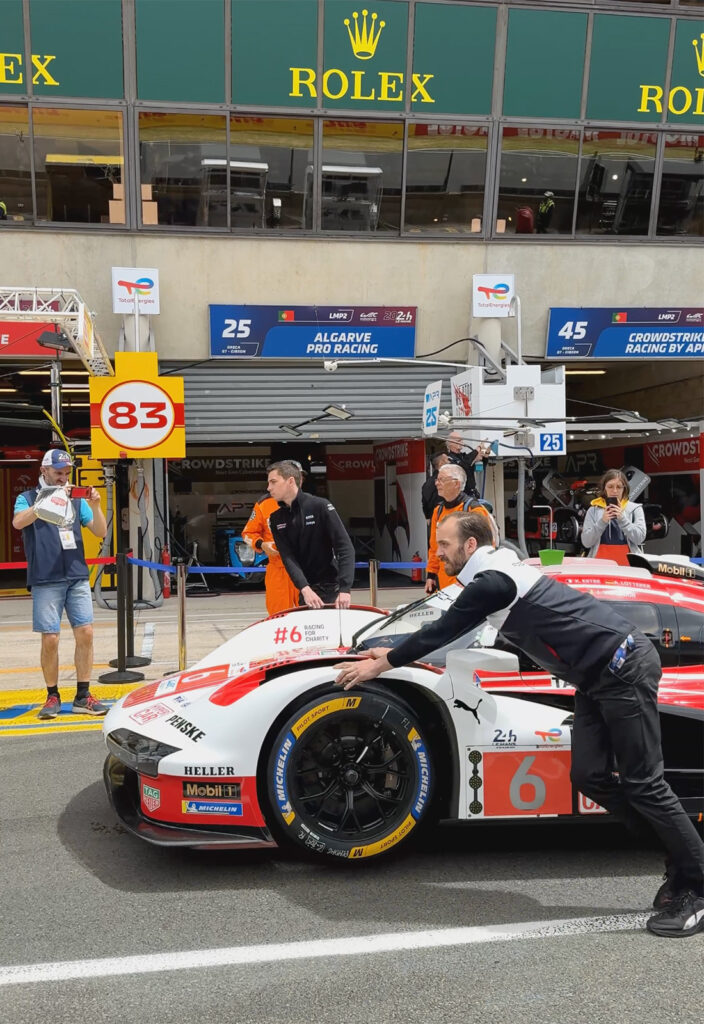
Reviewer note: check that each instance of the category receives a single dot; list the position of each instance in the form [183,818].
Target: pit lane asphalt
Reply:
[76,887]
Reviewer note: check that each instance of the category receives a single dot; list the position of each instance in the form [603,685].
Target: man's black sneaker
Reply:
[89,706]
[667,891]
[51,708]
[682,917]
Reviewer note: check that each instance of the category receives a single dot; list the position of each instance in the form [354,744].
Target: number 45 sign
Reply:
[137,414]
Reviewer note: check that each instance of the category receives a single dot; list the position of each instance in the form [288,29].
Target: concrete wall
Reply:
[436,277]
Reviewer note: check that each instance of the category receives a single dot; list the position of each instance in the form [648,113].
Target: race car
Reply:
[255,746]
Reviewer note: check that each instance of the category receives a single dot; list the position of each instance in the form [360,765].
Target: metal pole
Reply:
[181,583]
[131,660]
[136,321]
[122,675]
[55,388]
[520,507]
[373,579]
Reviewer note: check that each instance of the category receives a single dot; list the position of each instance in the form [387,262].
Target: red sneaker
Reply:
[89,706]
[51,708]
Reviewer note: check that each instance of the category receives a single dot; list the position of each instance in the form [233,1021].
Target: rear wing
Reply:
[675,566]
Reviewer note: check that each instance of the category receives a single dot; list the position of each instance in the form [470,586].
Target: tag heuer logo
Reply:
[151,797]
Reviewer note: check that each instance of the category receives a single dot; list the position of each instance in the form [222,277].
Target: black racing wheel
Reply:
[350,775]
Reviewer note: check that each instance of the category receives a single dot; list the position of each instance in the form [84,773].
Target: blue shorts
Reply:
[50,599]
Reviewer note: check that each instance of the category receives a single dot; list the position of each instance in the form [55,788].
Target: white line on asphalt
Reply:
[148,639]
[391,942]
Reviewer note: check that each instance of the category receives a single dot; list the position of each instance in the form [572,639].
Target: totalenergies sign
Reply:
[137,414]
[363,31]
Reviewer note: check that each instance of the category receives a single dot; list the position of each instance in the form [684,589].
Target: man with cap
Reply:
[57,576]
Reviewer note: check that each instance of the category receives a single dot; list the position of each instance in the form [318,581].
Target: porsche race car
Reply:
[255,746]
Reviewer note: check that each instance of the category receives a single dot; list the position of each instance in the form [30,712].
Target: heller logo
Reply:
[619,318]
[287,316]
[364,43]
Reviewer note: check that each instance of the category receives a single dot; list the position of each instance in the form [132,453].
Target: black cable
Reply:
[437,351]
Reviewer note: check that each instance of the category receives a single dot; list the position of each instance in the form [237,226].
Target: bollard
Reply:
[122,675]
[131,660]
[373,580]
[181,579]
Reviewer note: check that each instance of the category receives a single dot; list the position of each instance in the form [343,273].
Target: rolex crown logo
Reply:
[700,54]
[364,42]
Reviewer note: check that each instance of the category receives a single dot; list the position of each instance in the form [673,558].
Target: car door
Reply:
[690,635]
[657,622]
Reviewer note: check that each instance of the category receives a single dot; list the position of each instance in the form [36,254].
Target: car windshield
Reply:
[393,629]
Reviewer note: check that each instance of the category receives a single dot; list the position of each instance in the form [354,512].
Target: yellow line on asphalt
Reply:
[19,711]
[37,668]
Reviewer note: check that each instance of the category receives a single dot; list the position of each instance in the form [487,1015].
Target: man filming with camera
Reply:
[57,574]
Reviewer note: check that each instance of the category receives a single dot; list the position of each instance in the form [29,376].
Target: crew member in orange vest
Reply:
[451,482]
[280,591]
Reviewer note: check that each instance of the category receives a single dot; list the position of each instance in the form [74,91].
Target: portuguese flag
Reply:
[619,318]
[286,315]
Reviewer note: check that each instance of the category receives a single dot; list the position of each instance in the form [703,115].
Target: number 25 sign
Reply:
[137,414]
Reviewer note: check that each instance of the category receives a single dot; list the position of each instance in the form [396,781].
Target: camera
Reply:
[80,492]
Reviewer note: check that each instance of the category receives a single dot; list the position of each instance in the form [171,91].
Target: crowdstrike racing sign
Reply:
[310,332]
[668,333]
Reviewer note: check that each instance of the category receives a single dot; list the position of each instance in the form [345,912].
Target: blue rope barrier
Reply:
[232,570]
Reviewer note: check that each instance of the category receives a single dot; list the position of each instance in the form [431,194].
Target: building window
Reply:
[268,161]
[15,171]
[445,172]
[360,177]
[681,210]
[616,183]
[537,181]
[182,157]
[78,161]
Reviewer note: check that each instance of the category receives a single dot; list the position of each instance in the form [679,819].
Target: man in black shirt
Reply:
[615,670]
[316,551]
[459,453]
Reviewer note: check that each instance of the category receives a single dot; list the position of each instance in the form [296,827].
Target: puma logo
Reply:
[465,707]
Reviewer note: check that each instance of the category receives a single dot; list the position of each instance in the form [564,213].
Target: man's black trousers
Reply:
[617,716]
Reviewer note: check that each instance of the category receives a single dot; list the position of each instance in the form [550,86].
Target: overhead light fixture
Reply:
[628,416]
[8,391]
[338,411]
[585,373]
[672,424]
[56,340]
[290,430]
[64,391]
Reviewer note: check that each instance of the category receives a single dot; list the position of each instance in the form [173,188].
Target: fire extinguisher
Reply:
[416,574]
[166,586]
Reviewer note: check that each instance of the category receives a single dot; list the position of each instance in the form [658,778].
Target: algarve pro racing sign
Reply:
[310,332]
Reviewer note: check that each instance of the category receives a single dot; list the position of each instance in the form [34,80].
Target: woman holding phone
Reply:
[613,525]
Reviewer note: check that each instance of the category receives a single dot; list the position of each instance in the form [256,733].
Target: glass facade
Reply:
[416,117]
[445,175]
[78,165]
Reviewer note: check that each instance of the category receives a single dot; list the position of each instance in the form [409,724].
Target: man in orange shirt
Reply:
[451,482]
[280,591]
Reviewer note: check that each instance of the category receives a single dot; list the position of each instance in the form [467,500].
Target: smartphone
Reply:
[612,501]
[80,492]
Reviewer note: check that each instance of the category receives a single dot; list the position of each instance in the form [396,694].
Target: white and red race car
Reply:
[255,745]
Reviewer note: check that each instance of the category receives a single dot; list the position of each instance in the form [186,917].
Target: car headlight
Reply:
[138,752]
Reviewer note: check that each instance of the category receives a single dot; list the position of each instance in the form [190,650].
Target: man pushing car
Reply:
[615,670]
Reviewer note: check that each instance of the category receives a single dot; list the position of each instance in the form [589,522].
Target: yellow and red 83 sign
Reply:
[137,414]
